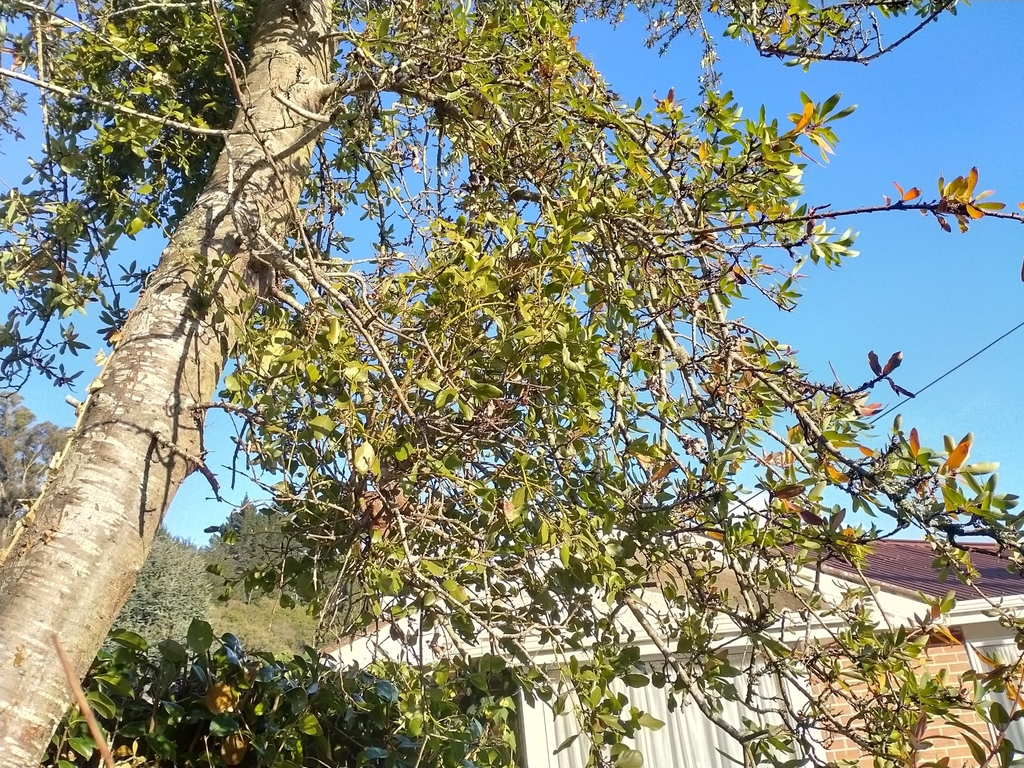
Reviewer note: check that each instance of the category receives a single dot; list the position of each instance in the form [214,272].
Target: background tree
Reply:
[245,557]
[172,590]
[508,401]
[26,448]
[250,543]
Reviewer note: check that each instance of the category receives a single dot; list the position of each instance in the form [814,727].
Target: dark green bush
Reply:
[209,703]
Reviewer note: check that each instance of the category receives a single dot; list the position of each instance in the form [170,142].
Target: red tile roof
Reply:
[908,565]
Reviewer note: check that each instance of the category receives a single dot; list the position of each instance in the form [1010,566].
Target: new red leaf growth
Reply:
[873,362]
[893,363]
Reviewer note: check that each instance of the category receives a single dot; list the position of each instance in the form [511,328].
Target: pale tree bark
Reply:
[76,561]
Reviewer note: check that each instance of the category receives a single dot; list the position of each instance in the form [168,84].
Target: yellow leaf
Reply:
[958,455]
[944,634]
[233,749]
[220,698]
[662,471]
[805,118]
[972,179]
[835,474]
[973,212]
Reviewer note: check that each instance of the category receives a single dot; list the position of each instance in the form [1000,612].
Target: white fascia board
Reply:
[978,610]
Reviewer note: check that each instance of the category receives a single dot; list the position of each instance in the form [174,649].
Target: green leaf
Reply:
[200,636]
[636,680]
[629,758]
[651,722]
[173,651]
[567,743]
[223,725]
[309,725]
[386,690]
[322,425]
[129,640]
[102,704]
[83,745]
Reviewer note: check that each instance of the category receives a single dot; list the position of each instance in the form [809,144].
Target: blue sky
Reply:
[949,99]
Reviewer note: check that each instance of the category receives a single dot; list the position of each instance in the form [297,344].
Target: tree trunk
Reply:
[139,433]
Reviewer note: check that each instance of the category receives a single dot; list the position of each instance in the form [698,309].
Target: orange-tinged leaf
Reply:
[1021,206]
[865,450]
[911,194]
[788,491]
[957,456]
[973,212]
[220,698]
[943,633]
[810,518]
[835,474]
[233,749]
[716,535]
[899,189]
[805,118]
[662,471]
[915,443]
[870,409]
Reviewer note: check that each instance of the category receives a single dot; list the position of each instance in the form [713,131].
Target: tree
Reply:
[510,399]
[250,544]
[171,591]
[26,449]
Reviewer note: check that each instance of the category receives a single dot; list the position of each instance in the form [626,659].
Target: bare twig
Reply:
[83,704]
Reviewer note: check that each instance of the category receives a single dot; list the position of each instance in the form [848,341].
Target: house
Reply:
[900,575]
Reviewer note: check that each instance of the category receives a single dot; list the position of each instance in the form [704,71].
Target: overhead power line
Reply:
[956,367]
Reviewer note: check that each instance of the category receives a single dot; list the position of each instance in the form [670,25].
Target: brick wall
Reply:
[947,741]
